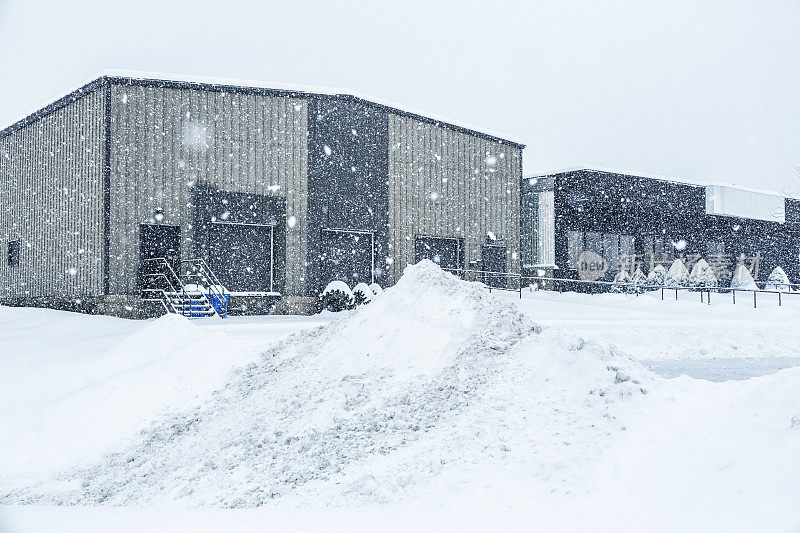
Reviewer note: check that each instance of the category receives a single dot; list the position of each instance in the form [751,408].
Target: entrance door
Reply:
[242,256]
[447,252]
[347,255]
[494,260]
[156,241]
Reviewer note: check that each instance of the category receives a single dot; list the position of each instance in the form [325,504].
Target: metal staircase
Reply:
[194,292]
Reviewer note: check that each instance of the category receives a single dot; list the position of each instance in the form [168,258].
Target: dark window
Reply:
[13,253]
[348,255]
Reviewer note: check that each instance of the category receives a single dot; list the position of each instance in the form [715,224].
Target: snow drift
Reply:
[435,373]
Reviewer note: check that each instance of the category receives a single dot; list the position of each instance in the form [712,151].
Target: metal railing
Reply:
[198,270]
[517,282]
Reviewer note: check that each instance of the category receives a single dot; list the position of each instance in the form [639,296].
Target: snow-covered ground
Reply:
[438,406]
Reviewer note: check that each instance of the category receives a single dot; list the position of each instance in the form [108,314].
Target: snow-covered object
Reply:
[702,275]
[639,280]
[354,411]
[742,279]
[677,275]
[621,281]
[657,276]
[336,296]
[376,289]
[337,285]
[362,294]
[778,280]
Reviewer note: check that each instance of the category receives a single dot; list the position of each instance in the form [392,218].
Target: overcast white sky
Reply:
[706,91]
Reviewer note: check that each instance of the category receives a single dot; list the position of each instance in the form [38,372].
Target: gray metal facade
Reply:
[51,201]
[167,140]
[78,178]
[448,183]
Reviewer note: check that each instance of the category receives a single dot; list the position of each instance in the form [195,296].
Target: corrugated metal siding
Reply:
[166,140]
[51,192]
[442,182]
[546,254]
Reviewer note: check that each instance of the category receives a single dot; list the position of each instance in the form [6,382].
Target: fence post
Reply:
[754,299]
[779,299]
[662,293]
[676,294]
[701,296]
[709,296]
[734,296]
[520,286]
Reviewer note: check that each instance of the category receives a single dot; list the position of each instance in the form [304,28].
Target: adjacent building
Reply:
[635,221]
[279,190]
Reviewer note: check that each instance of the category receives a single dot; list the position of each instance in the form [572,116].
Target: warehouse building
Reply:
[277,191]
[632,221]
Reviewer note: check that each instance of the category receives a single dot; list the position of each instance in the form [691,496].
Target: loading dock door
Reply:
[157,241]
[447,252]
[347,255]
[494,260]
[242,256]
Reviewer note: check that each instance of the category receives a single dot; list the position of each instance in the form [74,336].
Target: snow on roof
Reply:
[693,183]
[244,83]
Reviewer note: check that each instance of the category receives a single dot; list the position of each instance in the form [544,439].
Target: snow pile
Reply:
[435,378]
[743,280]
[778,281]
[677,275]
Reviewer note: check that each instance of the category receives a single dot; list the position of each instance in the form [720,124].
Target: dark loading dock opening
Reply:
[157,241]
[347,255]
[242,255]
[447,252]
[494,260]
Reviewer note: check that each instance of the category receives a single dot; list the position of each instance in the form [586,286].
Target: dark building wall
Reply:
[601,202]
[348,165]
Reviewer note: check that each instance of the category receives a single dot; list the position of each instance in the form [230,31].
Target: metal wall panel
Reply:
[167,140]
[51,200]
[451,184]
[546,254]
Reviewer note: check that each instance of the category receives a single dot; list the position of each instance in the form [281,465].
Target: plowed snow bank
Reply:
[435,378]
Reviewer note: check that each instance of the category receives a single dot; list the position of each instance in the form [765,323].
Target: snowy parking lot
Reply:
[437,406]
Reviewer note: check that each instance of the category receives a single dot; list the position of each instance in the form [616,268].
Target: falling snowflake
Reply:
[327,149]
[434,196]
[291,221]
